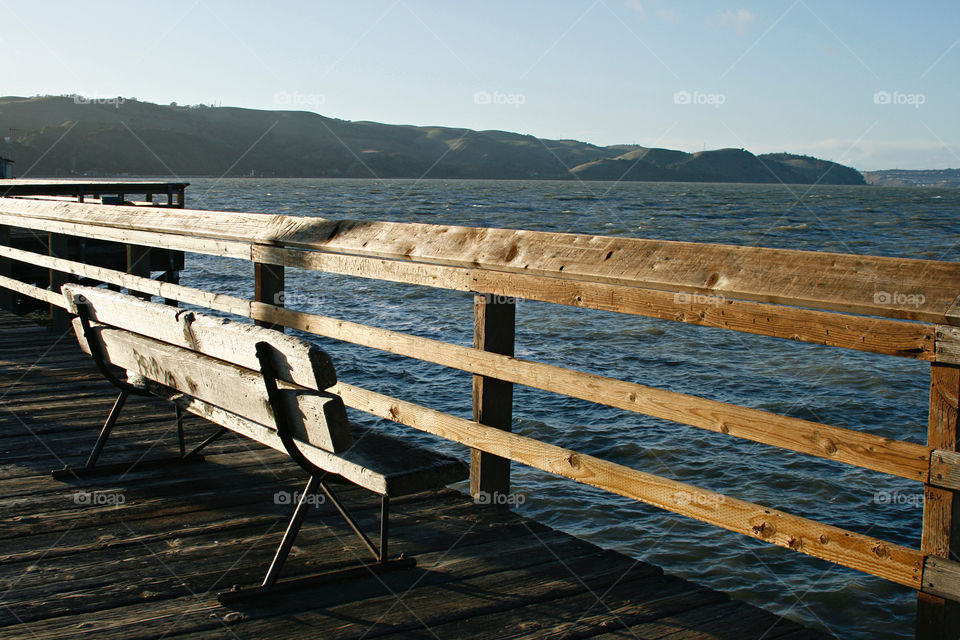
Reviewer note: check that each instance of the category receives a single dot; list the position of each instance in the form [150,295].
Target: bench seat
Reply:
[377,461]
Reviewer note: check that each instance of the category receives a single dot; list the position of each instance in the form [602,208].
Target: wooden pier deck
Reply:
[143,554]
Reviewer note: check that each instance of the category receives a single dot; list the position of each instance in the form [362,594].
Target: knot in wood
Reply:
[574,460]
[826,444]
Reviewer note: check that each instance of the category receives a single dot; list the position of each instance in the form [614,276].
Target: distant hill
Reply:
[914,178]
[62,136]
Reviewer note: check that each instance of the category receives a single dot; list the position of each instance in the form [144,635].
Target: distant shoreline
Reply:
[182,178]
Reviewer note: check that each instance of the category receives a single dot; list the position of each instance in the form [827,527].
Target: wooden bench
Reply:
[258,382]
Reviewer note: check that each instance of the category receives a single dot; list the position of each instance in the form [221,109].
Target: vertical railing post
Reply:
[938,618]
[494,324]
[138,264]
[6,269]
[269,283]
[58,246]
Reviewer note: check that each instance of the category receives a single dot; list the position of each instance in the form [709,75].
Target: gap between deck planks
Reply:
[152,565]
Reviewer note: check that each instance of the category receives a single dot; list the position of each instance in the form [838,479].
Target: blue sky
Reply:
[872,84]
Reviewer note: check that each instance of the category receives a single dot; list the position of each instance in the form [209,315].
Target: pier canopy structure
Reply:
[830,299]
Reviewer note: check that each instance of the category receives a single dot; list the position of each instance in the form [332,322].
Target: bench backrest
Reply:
[215,361]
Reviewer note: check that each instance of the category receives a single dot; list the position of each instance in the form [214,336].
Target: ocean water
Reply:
[882,395]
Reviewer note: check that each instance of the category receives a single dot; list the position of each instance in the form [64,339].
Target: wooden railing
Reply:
[891,306]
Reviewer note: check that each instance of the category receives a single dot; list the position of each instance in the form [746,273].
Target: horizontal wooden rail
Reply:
[924,290]
[23,288]
[168,290]
[147,238]
[893,562]
[895,457]
[876,335]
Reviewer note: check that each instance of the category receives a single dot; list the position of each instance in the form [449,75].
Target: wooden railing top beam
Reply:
[912,289]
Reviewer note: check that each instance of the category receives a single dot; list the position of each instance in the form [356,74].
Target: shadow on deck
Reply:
[143,554]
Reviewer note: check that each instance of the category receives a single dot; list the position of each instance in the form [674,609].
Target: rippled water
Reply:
[884,395]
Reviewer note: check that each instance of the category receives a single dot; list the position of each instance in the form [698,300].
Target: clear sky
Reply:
[874,84]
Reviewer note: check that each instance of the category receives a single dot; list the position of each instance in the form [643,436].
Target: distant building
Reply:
[6,171]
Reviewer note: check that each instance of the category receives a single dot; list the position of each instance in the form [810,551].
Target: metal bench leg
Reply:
[107,429]
[91,468]
[193,455]
[380,565]
[91,464]
[350,521]
[293,528]
[384,527]
[180,437]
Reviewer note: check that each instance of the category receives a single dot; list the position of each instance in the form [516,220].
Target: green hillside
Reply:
[63,136]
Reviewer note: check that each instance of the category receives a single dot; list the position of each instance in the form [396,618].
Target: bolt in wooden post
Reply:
[938,618]
[494,324]
[269,282]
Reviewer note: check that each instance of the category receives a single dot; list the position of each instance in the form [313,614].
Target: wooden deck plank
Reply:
[151,565]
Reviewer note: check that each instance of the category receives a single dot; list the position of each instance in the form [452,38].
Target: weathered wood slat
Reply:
[948,344]
[941,577]
[580,615]
[146,238]
[904,459]
[864,553]
[99,574]
[200,297]
[318,419]
[376,463]
[296,361]
[945,469]
[921,289]
[46,295]
[876,335]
